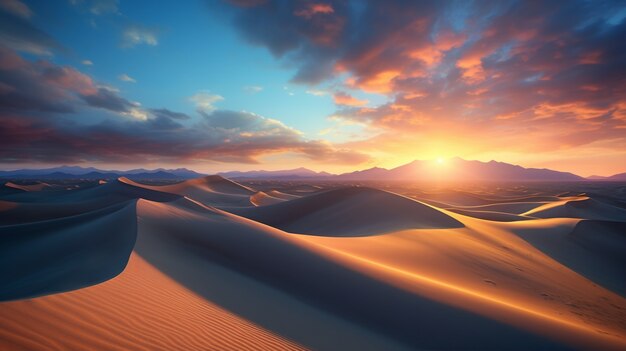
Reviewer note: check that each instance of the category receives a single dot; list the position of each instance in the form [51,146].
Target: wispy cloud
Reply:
[136,35]
[102,7]
[126,78]
[87,62]
[317,92]
[205,101]
[16,7]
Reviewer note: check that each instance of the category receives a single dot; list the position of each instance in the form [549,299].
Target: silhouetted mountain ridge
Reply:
[458,169]
[91,173]
[455,169]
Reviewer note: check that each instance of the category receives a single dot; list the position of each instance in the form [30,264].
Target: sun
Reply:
[440,160]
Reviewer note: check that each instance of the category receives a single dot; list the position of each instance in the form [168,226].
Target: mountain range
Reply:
[459,169]
[91,173]
[451,170]
[297,173]
[616,177]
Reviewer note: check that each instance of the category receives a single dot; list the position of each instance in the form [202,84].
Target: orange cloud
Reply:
[314,9]
[379,83]
[342,98]
[472,69]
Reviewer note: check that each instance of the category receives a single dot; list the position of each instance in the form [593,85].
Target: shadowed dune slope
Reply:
[352,211]
[593,248]
[65,254]
[40,206]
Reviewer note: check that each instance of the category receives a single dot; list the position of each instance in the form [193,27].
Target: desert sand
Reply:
[212,264]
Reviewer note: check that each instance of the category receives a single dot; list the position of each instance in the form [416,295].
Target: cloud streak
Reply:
[137,35]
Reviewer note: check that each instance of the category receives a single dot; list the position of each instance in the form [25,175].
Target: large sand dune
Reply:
[211,264]
[350,211]
[211,190]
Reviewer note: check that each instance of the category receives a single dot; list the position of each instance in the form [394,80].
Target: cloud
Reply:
[17,8]
[109,100]
[40,85]
[137,35]
[316,92]
[165,113]
[126,78]
[87,62]
[98,7]
[253,89]
[53,113]
[204,100]
[45,87]
[342,98]
[222,136]
[101,7]
[44,109]
[312,9]
[17,33]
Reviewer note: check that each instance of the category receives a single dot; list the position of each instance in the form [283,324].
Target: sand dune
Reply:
[490,215]
[351,211]
[39,186]
[262,199]
[592,248]
[516,208]
[141,309]
[380,272]
[582,207]
[211,190]
[67,253]
[281,195]
[33,207]
[387,266]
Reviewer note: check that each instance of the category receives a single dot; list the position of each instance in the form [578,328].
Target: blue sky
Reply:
[197,50]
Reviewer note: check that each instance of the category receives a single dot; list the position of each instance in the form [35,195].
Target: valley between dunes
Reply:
[211,264]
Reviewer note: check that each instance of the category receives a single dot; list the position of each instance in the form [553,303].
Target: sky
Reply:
[328,85]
